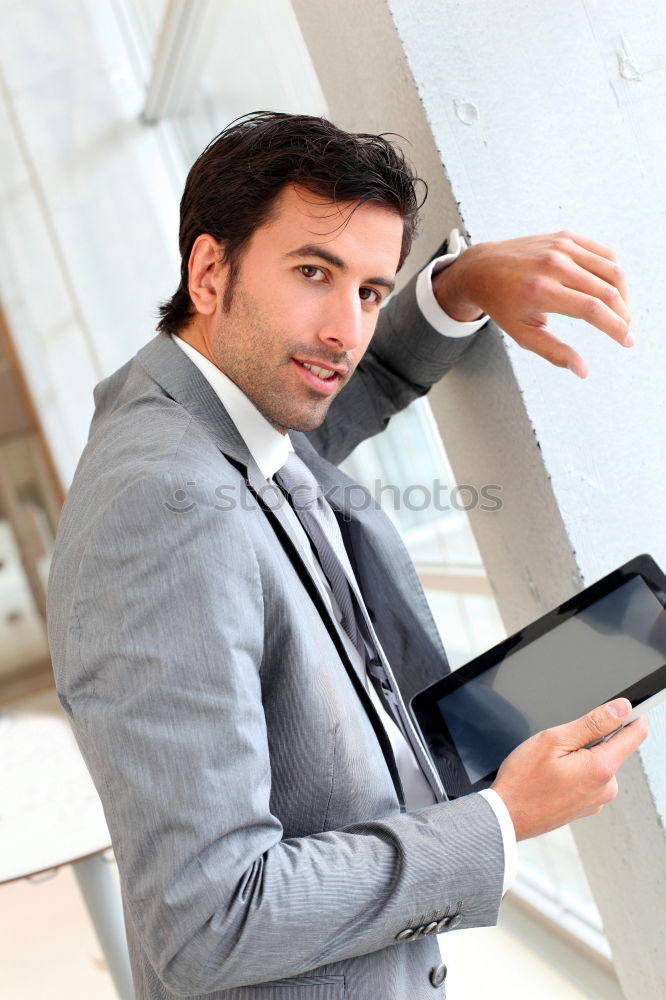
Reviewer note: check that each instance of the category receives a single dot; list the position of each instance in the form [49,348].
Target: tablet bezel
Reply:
[423,705]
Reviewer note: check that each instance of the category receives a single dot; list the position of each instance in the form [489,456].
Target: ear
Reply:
[205,274]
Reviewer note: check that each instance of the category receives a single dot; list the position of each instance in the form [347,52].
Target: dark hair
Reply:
[232,186]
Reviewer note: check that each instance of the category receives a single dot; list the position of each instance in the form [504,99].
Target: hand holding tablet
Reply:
[555,777]
[606,643]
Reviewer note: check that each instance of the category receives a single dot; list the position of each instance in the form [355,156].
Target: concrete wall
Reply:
[545,116]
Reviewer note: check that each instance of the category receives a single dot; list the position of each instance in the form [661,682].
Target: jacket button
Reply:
[405,935]
[449,923]
[437,975]
[429,928]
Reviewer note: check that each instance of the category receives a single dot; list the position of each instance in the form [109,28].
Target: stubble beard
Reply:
[240,341]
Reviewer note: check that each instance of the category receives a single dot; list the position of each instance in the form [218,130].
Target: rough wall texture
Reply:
[545,116]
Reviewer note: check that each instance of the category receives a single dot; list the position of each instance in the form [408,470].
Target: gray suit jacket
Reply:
[249,787]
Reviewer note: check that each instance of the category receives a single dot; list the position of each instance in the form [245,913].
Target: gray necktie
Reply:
[318,520]
[322,529]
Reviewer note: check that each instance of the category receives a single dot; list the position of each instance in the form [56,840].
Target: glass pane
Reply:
[406,470]
[256,59]
[551,865]
[149,16]
[22,631]
[28,513]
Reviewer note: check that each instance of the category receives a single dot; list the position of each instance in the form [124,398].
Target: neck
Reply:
[197,335]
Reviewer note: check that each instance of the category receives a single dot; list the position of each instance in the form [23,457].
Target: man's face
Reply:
[305,304]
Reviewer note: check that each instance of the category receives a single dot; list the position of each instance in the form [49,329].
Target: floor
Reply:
[47,945]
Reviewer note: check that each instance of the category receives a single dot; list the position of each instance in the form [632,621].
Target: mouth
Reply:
[320,377]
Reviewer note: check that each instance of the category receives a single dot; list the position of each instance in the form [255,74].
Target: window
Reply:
[406,469]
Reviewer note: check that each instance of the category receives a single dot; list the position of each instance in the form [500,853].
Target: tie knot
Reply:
[297,480]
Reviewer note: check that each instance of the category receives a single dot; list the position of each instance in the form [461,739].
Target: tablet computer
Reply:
[608,641]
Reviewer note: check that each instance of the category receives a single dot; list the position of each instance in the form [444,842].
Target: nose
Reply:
[341,323]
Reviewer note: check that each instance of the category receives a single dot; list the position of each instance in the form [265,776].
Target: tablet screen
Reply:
[578,664]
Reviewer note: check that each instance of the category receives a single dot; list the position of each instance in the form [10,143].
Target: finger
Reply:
[611,790]
[592,245]
[579,279]
[578,305]
[624,743]
[608,270]
[594,726]
[540,341]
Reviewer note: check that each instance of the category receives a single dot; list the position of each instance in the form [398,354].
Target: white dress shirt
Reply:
[425,296]
[270,450]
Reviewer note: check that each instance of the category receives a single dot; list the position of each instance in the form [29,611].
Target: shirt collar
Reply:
[269,448]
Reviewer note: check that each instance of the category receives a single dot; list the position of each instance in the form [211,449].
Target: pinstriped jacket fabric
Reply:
[252,798]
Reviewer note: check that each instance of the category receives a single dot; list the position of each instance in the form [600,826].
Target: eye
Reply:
[312,273]
[369,295]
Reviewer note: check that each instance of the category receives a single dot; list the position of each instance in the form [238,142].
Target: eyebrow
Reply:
[313,250]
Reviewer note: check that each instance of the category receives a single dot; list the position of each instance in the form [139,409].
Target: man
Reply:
[229,657]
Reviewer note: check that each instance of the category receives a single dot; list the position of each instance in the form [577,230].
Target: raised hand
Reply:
[552,779]
[519,282]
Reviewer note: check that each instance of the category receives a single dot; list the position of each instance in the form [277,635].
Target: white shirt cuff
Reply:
[496,803]
[425,297]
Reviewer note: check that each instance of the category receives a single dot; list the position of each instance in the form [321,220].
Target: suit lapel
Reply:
[386,576]
[281,524]
[170,367]
[273,503]
[173,371]
[182,381]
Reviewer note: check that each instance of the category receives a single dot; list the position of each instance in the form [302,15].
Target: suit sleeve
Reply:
[406,357]
[160,660]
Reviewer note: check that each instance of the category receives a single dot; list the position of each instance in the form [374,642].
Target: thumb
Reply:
[595,725]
